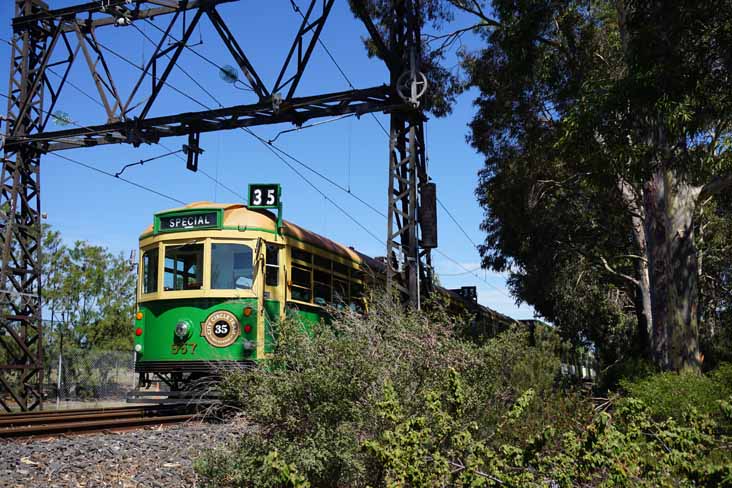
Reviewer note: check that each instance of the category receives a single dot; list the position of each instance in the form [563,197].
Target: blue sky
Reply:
[85,205]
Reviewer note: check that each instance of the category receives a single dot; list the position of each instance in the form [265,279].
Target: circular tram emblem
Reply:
[221,328]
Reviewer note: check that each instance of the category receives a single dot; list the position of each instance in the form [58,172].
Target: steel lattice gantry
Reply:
[44,39]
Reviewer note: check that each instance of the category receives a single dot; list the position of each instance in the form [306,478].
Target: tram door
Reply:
[271,297]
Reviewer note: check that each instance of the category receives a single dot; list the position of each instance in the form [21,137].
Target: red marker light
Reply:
[138,332]
[247,328]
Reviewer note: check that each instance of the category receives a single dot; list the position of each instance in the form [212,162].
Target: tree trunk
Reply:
[669,205]
[634,205]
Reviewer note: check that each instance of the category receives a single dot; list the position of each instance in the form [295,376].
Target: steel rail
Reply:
[90,420]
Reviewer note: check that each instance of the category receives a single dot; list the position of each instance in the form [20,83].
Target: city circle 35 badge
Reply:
[221,328]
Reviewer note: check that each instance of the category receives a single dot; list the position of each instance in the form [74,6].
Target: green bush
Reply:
[674,395]
[396,399]
[314,403]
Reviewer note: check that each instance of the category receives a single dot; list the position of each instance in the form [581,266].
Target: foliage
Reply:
[625,448]
[90,294]
[675,395]
[313,405]
[394,399]
[583,108]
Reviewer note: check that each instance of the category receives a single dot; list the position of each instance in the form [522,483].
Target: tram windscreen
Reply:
[231,267]
[183,267]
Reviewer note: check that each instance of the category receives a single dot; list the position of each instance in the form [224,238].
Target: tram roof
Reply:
[237,215]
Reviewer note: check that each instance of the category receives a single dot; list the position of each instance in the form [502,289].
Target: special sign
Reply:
[189,221]
[221,328]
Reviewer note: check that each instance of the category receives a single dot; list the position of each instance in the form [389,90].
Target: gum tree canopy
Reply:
[606,131]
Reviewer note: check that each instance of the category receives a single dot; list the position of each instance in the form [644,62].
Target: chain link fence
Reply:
[79,375]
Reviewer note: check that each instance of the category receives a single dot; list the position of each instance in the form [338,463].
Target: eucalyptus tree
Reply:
[606,128]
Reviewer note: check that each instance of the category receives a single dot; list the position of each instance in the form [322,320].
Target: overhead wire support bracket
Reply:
[193,150]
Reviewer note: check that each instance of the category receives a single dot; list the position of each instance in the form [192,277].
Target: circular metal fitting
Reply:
[182,329]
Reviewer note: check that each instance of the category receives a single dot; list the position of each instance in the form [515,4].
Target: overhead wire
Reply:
[91,131]
[111,175]
[297,9]
[143,161]
[272,147]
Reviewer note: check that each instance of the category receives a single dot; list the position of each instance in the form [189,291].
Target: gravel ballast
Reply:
[160,456]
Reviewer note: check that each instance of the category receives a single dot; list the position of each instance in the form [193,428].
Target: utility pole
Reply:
[51,39]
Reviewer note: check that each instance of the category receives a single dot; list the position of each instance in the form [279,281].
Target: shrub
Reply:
[674,395]
[314,403]
[396,399]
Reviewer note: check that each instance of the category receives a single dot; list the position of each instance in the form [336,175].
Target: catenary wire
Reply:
[111,175]
[452,217]
[143,161]
[271,146]
[468,271]
[274,149]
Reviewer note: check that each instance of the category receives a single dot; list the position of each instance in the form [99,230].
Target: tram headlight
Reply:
[138,347]
[250,345]
[182,329]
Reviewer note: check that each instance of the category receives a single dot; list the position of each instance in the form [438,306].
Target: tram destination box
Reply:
[190,220]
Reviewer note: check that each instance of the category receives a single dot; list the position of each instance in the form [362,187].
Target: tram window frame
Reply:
[236,255]
[301,289]
[301,255]
[338,286]
[150,274]
[272,265]
[199,264]
[322,287]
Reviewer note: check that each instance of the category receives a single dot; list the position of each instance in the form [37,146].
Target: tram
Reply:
[215,279]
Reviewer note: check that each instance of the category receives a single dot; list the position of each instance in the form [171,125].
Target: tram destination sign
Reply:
[189,220]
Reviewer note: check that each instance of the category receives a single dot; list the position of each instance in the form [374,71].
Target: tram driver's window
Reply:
[183,267]
[150,271]
[272,265]
[231,267]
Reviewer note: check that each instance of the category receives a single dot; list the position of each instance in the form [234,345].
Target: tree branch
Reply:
[609,268]
[715,185]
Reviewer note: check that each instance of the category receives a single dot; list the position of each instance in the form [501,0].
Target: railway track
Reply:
[50,423]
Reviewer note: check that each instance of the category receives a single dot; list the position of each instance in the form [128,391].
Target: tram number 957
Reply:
[185,348]
[264,196]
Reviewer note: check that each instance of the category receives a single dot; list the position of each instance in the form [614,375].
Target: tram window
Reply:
[301,294]
[301,255]
[340,269]
[340,291]
[322,262]
[321,288]
[272,265]
[231,267]
[301,276]
[183,267]
[356,291]
[150,271]
[301,286]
